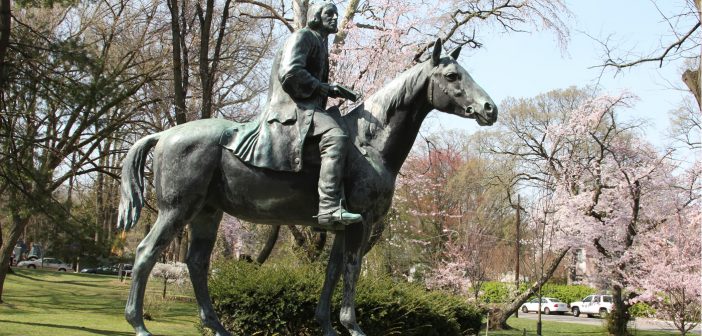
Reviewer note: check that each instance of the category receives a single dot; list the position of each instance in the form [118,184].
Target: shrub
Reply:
[499,292]
[495,292]
[567,293]
[642,309]
[281,300]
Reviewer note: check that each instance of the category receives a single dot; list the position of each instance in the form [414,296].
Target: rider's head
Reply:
[322,16]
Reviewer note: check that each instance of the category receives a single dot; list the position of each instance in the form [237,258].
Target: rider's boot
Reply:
[333,154]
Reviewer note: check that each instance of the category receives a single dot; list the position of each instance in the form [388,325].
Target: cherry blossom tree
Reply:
[540,224]
[612,190]
[172,272]
[671,278]
[449,212]
[424,210]
[609,188]
[380,38]
[463,266]
[422,188]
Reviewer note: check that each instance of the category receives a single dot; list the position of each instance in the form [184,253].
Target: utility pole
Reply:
[517,243]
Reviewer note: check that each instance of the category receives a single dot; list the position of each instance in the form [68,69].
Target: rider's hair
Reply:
[314,13]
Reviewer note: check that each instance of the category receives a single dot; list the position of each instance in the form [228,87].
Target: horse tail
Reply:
[132,186]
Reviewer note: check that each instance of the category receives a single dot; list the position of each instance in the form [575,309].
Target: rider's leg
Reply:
[332,147]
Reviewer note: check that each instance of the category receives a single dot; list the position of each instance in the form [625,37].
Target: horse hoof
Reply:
[222,332]
[141,331]
[356,331]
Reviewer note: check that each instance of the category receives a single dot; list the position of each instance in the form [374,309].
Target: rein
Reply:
[431,89]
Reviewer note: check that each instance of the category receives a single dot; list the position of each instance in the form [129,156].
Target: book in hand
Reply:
[346,93]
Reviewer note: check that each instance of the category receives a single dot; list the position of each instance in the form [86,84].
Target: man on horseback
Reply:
[296,111]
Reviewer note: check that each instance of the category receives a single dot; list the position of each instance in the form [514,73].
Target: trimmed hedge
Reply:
[498,292]
[567,293]
[495,292]
[281,300]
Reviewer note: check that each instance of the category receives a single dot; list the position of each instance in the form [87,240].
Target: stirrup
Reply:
[338,217]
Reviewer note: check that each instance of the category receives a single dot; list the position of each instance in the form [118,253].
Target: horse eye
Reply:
[452,76]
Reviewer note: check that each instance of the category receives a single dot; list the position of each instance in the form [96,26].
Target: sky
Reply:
[526,64]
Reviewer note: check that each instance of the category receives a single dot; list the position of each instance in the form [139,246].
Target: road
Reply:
[637,324]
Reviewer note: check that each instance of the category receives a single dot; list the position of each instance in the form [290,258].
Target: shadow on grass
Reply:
[91,330]
[98,282]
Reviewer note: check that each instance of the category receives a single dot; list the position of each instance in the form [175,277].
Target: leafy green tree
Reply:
[68,88]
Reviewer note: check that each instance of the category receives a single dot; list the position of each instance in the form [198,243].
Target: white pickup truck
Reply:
[591,305]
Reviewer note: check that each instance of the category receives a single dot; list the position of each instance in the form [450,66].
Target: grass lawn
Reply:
[44,303]
[550,328]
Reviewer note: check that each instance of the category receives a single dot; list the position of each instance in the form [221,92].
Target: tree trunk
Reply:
[693,77]
[100,196]
[498,319]
[698,4]
[692,80]
[618,318]
[349,14]
[184,246]
[16,228]
[5,24]
[178,76]
[300,13]
[206,78]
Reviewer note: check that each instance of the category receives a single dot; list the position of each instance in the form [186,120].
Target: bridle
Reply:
[430,92]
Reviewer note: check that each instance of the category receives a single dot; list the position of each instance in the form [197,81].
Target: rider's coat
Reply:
[276,139]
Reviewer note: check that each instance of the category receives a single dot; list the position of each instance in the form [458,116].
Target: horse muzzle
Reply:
[485,115]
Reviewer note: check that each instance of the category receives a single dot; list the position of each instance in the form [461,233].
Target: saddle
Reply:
[254,143]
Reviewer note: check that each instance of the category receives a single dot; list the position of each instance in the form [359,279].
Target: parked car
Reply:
[127,270]
[36,252]
[592,304]
[109,270]
[548,306]
[45,263]
[105,269]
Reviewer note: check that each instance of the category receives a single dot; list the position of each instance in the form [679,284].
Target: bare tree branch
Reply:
[273,12]
[675,45]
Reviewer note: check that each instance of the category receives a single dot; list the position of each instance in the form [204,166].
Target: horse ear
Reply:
[454,54]
[436,53]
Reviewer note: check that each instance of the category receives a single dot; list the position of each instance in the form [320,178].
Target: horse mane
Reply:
[376,111]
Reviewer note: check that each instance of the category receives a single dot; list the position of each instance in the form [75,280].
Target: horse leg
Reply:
[147,253]
[203,230]
[354,245]
[323,311]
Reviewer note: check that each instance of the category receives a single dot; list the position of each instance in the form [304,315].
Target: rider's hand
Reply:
[333,91]
[325,89]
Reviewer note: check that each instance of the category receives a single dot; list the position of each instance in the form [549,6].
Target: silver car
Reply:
[46,263]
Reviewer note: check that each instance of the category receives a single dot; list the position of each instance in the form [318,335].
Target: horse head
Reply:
[452,90]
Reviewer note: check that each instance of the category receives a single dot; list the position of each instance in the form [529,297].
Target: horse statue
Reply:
[196,180]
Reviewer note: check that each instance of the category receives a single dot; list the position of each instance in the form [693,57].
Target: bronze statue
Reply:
[296,113]
[197,179]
